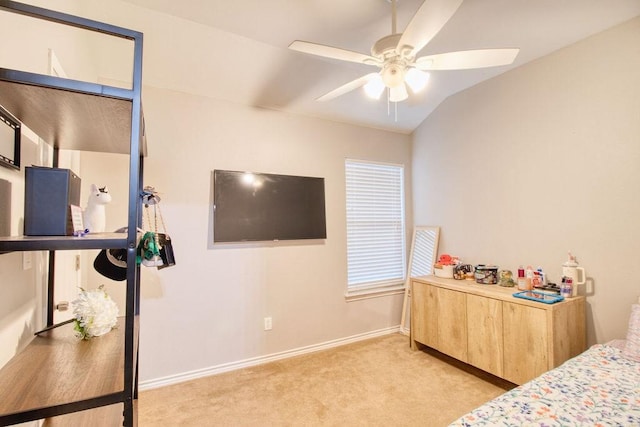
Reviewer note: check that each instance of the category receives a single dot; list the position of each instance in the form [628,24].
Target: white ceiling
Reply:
[537,27]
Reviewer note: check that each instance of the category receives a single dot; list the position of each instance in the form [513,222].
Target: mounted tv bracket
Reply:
[9,140]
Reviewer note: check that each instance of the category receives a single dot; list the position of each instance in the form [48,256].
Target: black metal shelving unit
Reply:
[57,377]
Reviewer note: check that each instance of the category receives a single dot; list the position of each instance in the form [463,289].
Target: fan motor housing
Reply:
[386,45]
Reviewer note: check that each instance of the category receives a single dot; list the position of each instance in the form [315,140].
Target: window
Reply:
[376,256]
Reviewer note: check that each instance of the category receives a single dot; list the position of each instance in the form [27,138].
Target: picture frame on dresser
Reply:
[9,140]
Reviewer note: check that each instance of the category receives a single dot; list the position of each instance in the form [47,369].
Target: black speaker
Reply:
[48,194]
[5,207]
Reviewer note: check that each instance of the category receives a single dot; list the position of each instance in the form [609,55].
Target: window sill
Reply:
[383,291]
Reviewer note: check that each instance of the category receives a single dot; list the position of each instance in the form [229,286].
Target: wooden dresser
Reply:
[485,326]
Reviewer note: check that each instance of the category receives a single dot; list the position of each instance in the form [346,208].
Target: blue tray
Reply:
[542,297]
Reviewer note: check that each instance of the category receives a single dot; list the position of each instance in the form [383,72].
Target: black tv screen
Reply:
[252,206]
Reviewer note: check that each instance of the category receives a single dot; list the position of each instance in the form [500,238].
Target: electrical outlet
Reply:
[267,324]
[77,259]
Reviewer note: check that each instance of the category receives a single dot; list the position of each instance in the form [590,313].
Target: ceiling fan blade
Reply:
[354,84]
[332,52]
[426,23]
[467,59]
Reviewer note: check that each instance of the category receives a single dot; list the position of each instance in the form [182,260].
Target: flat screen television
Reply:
[251,206]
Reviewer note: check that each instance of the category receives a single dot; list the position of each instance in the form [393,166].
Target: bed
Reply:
[600,387]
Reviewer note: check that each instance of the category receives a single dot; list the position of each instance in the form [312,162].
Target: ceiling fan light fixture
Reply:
[416,79]
[393,75]
[396,55]
[398,93]
[374,87]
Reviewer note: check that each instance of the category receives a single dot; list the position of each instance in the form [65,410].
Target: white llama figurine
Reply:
[94,215]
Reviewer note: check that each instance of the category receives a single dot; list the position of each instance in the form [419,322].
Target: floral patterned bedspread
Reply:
[596,388]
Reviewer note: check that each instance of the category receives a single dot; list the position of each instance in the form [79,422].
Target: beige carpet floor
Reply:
[377,382]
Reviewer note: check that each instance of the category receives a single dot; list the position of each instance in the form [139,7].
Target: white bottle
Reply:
[570,269]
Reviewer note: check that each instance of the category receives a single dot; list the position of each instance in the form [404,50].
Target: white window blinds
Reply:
[375,224]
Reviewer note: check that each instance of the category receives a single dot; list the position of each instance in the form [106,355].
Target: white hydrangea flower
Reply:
[95,313]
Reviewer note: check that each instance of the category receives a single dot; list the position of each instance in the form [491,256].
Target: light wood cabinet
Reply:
[424,320]
[442,323]
[525,339]
[485,326]
[452,323]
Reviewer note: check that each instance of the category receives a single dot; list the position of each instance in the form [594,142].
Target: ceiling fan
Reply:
[395,55]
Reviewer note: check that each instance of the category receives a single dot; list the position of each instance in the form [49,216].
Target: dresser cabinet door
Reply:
[424,314]
[484,327]
[526,342]
[452,323]
[439,319]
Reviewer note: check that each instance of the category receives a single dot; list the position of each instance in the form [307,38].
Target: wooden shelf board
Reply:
[103,416]
[41,243]
[57,368]
[70,114]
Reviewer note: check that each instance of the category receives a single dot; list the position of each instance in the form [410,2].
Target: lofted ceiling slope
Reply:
[536,27]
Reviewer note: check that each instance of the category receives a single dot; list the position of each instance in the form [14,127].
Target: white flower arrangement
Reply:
[95,313]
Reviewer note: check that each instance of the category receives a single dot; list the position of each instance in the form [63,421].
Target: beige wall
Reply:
[541,160]
[213,302]
[208,310]
[20,289]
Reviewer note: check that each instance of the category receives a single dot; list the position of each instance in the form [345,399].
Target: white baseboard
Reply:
[232,366]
